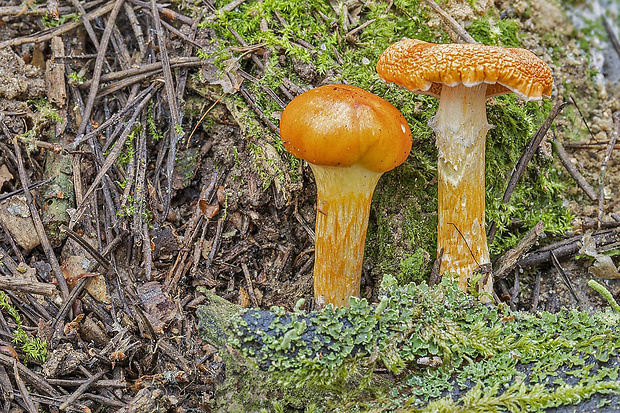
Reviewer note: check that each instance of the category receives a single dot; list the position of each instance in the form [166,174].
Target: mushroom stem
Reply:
[343,205]
[461,127]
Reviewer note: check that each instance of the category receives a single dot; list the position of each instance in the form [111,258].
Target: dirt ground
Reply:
[136,228]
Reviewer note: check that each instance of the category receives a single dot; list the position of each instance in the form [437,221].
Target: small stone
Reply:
[15,214]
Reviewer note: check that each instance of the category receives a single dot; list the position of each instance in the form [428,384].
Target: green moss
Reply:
[496,32]
[58,195]
[413,267]
[246,388]
[519,398]
[186,165]
[50,22]
[539,194]
[152,128]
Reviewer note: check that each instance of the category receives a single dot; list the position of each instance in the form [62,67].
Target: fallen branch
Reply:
[508,261]
[567,248]
[33,287]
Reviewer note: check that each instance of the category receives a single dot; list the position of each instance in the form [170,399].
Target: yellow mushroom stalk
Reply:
[461,127]
[342,210]
[350,137]
[462,76]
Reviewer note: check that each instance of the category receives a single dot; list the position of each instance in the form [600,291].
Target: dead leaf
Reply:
[72,328]
[164,242]
[603,266]
[72,281]
[159,307]
[589,245]
[214,76]
[74,268]
[92,330]
[208,210]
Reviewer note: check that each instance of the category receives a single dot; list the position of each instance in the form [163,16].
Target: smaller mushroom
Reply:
[350,137]
[463,76]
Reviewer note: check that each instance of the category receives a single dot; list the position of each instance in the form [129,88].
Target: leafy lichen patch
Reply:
[444,352]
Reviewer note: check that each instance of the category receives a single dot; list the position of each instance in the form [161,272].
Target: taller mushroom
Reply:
[462,76]
[350,137]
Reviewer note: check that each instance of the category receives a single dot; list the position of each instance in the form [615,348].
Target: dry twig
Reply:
[508,261]
[567,247]
[451,23]
[36,218]
[105,38]
[17,284]
[80,390]
[109,161]
[574,173]
[601,179]
[46,35]
[23,390]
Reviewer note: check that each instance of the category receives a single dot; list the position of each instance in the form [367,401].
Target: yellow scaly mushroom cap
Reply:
[425,67]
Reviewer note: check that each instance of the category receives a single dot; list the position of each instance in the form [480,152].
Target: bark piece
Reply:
[63,360]
[160,308]
[55,74]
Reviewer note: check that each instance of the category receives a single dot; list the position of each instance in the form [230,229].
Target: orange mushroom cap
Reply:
[342,125]
[426,67]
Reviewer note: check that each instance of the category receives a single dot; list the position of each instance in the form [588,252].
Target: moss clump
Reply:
[495,32]
[245,387]
[412,267]
[444,350]
[538,196]
[33,348]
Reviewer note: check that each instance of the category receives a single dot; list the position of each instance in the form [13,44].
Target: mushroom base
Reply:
[343,204]
[461,127]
